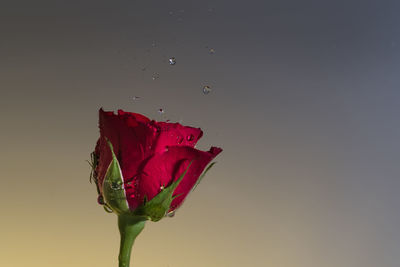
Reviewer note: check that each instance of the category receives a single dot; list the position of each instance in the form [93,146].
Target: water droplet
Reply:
[135,98]
[100,200]
[154,44]
[172,61]
[107,209]
[171,214]
[211,51]
[128,185]
[179,139]
[155,76]
[161,111]
[206,89]
[115,185]
[162,187]
[166,149]
[190,137]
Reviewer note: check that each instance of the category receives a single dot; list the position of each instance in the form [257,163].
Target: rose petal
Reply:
[162,169]
[132,141]
[175,134]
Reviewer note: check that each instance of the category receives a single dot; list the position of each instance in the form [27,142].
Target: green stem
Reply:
[129,228]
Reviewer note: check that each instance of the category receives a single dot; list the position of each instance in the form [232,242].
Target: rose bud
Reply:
[144,170]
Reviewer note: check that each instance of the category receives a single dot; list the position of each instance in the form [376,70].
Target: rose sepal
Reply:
[158,207]
[113,187]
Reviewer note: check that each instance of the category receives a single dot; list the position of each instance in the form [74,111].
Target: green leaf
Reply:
[202,175]
[156,208]
[113,186]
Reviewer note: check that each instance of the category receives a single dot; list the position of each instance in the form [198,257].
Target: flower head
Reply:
[146,168]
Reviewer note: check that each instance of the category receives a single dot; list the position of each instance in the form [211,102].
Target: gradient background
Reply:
[305,104]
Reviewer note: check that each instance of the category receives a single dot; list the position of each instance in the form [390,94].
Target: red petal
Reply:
[163,169]
[132,140]
[175,134]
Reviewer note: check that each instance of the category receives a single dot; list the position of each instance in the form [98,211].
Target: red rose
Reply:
[151,156]
[144,169]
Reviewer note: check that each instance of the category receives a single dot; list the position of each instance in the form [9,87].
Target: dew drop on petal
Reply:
[190,137]
[206,89]
[172,61]
[179,139]
[128,185]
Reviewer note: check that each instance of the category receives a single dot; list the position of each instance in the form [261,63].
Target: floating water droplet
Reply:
[161,111]
[179,139]
[154,44]
[211,50]
[190,137]
[206,89]
[135,98]
[155,76]
[100,200]
[172,61]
